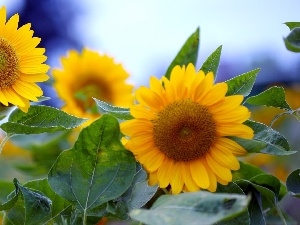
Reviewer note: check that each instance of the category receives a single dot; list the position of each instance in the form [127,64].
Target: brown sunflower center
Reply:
[84,96]
[184,130]
[9,64]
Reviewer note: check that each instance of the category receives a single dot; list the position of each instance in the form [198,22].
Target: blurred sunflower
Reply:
[21,63]
[180,129]
[88,75]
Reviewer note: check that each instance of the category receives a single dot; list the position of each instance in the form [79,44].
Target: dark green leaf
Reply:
[265,140]
[292,41]
[58,204]
[292,25]
[246,172]
[33,208]
[5,188]
[187,54]
[293,183]
[211,64]
[119,112]
[39,119]
[192,208]
[96,170]
[274,96]
[242,84]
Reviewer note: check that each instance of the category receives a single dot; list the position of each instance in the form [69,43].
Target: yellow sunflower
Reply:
[181,127]
[88,75]
[21,63]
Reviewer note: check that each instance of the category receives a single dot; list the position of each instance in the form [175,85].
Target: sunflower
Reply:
[181,127]
[88,75]
[21,63]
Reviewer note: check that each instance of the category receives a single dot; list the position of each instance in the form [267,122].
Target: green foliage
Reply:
[187,54]
[27,206]
[212,62]
[119,112]
[96,170]
[273,97]
[265,140]
[293,183]
[292,41]
[192,208]
[242,84]
[39,119]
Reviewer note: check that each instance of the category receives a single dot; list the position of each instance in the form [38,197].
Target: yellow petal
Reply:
[165,172]
[234,147]
[187,178]
[12,97]
[3,99]
[236,130]
[221,171]
[199,173]
[152,180]
[139,111]
[176,179]
[224,157]
[33,77]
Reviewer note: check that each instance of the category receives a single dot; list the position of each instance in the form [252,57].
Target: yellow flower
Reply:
[88,75]
[21,63]
[180,129]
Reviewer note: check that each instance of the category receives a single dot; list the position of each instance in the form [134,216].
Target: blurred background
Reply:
[145,36]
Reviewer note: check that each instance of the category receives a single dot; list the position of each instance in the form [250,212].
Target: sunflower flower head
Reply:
[86,75]
[181,127]
[21,63]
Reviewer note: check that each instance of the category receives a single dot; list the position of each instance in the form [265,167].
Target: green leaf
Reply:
[139,192]
[187,54]
[292,41]
[292,25]
[192,208]
[5,188]
[265,140]
[39,119]
[58,203]
[119,112]
[96,170]
[33,208]
[211,64]
[274,97]
[242,84]
[293,183]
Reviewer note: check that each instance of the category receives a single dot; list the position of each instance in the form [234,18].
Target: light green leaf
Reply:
[139,192]
[293,183]
[292,25]
[292,41]
[242,84]
[192,208]
[96,170]
[211,64]
[265,140]
[119,112]
[187,54]
[33,208]
[274,97]
[39,119]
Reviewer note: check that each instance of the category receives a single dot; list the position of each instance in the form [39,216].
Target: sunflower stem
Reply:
[4,140]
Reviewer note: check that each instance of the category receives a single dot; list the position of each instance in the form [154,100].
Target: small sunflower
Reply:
[21,63]
[88,75]
[181,127]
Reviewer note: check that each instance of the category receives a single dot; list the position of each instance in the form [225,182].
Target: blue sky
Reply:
[145,35]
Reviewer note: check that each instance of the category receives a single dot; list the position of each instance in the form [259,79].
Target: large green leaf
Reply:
[274,96]
[265,140]
[292,41]
[242,84]
[39,119]
[293,183]
[32,208]
[119,112]
[211,64]
[96,170]
[192,208]
[187,54]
